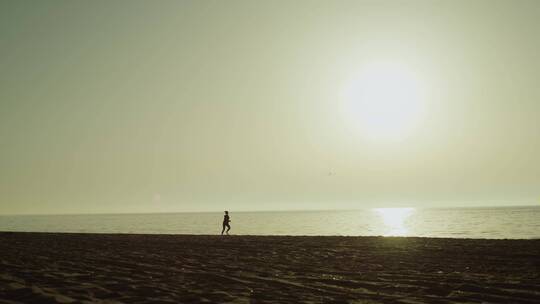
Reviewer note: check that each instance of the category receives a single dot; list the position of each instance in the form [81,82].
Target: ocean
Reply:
[493,223]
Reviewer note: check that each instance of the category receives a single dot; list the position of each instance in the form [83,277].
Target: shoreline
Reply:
[166,268]
[267,235]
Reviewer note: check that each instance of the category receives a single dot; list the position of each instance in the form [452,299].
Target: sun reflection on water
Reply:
[394,220]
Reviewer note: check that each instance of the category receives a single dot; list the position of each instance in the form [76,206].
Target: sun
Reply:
[385,101]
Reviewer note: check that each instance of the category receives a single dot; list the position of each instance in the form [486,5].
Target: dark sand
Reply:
[85,268]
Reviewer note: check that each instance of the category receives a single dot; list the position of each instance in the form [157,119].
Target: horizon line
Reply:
[268,210]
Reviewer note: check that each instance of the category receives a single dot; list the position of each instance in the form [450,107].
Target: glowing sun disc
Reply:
[385,101]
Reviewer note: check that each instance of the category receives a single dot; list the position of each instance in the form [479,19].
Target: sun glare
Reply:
[385,101]
[394,220]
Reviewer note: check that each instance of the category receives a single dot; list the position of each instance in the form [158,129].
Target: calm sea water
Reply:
[507,222]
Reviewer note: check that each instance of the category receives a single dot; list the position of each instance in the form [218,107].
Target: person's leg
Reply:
[223,230]
[228,228]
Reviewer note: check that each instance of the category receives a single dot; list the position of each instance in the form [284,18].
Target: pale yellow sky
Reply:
[157,106]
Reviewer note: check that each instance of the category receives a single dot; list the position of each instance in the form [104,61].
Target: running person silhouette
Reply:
[226,221]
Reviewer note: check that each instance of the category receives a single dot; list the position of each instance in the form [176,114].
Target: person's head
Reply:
[226,212]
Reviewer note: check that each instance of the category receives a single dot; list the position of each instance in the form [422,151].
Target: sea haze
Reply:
[497,223]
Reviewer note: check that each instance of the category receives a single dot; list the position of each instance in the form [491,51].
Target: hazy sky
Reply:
[153,106]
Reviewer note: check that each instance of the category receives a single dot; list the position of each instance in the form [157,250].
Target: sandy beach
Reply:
[103,268]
